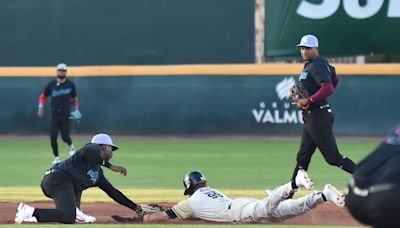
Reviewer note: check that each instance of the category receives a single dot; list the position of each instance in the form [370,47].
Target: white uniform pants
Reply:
[275,207]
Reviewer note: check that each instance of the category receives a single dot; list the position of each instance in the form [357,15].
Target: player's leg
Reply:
[54,128]
[252,210]
[61,190]
[307,149]
[293,207]
[324,138]
[66,133]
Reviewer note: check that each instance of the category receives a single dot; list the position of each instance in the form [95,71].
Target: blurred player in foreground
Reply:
[373,197]
[65,181]
[209,204]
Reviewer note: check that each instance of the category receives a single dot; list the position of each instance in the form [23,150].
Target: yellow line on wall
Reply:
[198,69]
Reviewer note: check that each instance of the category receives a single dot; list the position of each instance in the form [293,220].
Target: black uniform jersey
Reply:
[85,167]
[314,73]
[61,95]
[84,170]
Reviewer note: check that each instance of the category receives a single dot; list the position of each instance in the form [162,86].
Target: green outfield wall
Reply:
[344,27]
[126,32]
[251,101]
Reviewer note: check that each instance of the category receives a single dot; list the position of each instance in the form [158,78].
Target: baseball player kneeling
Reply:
[209,204]
[66,180]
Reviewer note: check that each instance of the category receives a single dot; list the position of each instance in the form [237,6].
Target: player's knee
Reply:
[335,161]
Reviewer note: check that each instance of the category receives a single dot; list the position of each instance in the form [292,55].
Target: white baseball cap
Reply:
[308,41]
[104,139]
[62,66]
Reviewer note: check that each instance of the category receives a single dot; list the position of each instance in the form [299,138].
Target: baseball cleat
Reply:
[302,180]
[24,212]
[56,160]
[83,218]
[333,195]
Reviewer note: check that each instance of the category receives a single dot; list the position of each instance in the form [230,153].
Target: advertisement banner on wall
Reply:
[344,27]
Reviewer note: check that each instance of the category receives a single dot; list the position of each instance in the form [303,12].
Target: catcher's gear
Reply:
[75,115]
[190,181]
[297,95]
[127,219]
[144,209]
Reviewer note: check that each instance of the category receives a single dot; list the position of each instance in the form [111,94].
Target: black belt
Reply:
[229,207]
[322,107]
[372,189]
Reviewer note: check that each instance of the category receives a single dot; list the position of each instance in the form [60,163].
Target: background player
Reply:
[66,180]
[209,204]
[64,97]
[319,80]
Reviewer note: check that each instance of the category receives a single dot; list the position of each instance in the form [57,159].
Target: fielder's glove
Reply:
[144,209]
[75,115]
[298,95]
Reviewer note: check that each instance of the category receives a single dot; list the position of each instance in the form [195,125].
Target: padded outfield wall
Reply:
[200,99]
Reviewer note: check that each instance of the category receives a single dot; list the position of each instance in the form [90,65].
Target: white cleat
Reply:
[83,218]
[333,195]
[56,160]
[71,150]
[24,212]
[302,180]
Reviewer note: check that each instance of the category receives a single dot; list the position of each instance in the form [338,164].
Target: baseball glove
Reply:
[297,94]
[144,209]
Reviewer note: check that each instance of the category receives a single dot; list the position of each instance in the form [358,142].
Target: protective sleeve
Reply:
[325,91]
[42,100]
[183,210]
[115,194]
[75,103]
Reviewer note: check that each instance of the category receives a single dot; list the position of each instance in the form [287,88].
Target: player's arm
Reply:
[42,100]
[115,194]
[323,78]
[74,97]
[324,91]
[182,210]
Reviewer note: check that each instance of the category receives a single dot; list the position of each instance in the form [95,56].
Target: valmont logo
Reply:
[281,112]
[353,8]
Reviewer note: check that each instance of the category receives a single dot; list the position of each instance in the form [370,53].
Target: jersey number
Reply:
[213,194]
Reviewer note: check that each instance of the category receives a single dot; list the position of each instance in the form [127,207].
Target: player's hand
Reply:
[40,112]
[119,169]
[302,103]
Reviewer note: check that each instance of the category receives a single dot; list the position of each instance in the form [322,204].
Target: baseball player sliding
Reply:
[66,180]
[209,204]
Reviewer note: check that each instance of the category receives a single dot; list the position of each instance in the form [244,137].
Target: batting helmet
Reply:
[191,180]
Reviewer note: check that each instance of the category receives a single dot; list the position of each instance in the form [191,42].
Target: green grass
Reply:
[236,166]
[240,164]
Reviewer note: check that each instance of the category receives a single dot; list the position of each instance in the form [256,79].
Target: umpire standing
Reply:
[64,97]
[319,79]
